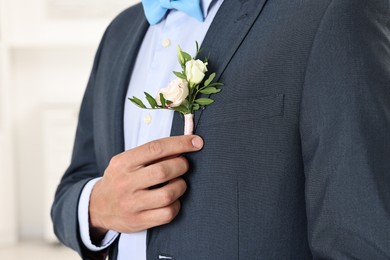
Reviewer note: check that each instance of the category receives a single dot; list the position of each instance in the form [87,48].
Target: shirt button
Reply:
[166,43]
[148,119]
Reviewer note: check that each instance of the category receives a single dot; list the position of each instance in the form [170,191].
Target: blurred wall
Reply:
[46,53]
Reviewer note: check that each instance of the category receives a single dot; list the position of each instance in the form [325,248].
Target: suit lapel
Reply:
[225,35]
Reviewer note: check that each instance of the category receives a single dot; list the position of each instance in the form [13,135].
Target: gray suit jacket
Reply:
[296,162]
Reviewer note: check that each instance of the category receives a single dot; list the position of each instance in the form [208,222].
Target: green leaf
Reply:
[179,75]
[197,49]
[168,102]
[208,81]
[210,90]
[151,100]
[137,102]
[186,56]
[195,107]
[180,56]
[162,99]
[204,101]
[181,109]
[215,84]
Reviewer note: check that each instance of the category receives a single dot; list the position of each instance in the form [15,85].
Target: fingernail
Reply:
[197,142]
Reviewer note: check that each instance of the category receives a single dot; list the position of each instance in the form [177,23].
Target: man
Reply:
[290,162]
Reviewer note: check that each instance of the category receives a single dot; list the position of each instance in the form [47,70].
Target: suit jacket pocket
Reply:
[240,110]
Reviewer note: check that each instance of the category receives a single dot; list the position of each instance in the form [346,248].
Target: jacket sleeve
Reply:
[83,168]
[345,132]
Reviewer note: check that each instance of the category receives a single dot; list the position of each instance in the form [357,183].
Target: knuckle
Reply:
[115,162]
[183,184]
[155,148]
[166,197]
[168,214]
[186,164]
[158,172]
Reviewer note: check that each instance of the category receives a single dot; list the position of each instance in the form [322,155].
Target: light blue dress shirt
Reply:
[156,60]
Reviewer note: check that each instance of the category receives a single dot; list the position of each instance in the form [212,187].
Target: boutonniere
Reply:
[182,93]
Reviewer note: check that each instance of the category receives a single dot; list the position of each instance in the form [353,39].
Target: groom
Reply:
[290,162]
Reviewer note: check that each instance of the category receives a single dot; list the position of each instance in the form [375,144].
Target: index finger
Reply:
[162,148]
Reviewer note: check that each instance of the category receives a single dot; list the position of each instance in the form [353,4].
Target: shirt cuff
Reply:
[83,217]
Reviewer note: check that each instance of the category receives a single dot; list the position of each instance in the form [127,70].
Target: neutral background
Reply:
[46,53]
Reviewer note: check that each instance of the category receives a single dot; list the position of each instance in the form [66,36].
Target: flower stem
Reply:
[188,124]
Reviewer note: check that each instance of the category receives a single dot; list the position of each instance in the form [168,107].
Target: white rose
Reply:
[176,91]
[195,70]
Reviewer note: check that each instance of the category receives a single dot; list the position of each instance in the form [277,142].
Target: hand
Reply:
[123,201]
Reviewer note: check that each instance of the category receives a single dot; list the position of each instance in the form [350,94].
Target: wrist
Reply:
[96,228]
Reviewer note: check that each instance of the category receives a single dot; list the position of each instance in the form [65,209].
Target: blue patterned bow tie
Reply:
[155,10]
